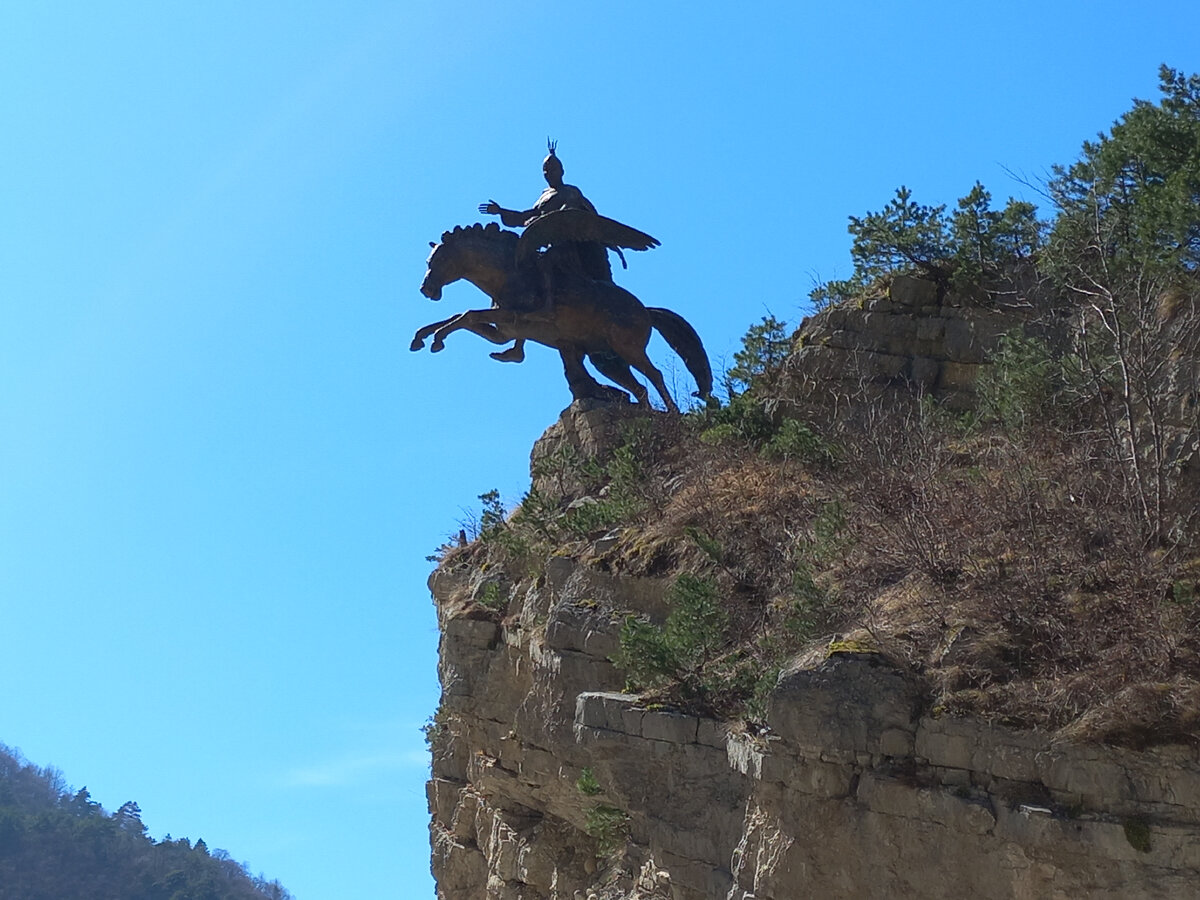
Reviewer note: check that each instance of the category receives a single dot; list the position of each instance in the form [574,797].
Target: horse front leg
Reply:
[487,323]
[418,341]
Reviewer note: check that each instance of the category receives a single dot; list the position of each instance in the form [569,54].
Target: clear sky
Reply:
[221,469]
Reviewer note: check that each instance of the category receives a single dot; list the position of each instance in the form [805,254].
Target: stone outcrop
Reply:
[549,783]
[849,792]
[911,338]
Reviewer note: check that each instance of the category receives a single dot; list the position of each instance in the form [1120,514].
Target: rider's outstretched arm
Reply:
[512,218]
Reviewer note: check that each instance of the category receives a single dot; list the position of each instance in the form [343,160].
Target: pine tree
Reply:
[1125,248]
[765,347]
[903,236]
[1131,201]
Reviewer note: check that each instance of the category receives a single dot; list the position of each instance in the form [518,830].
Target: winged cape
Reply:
[579,225]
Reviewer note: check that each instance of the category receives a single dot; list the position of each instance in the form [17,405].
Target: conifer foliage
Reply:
[1130,201]
[957,251]
[1117,263]
[1124,249]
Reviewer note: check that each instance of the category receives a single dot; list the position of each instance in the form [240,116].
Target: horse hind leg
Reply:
[583,386]
[615,369]
[641,362]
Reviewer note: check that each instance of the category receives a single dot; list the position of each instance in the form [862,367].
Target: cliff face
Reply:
[846,794]
[548,782]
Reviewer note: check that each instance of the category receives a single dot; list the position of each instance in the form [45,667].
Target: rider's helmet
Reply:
[552,162]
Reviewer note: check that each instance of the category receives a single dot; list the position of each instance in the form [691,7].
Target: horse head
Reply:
[467,253]
[435,278]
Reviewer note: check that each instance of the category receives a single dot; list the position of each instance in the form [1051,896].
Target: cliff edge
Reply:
[834,643]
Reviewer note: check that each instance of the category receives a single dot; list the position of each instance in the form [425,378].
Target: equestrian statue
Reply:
[553,285]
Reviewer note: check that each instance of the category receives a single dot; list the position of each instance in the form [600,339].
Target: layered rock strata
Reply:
[912,338]
[549,783]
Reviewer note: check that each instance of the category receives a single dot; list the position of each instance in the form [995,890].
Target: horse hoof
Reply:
[416,345]
[437,347]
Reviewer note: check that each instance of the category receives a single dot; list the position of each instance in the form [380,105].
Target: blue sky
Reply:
[221,469]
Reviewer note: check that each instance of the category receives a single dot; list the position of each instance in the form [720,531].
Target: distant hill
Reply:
[56,843]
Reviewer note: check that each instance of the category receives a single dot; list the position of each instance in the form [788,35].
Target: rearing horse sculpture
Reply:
[589,318]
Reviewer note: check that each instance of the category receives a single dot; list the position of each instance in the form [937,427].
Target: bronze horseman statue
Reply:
[553,284]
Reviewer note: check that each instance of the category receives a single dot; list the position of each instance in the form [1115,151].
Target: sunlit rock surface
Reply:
[548,782]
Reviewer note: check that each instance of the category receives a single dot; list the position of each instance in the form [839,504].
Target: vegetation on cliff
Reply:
[56,843]
[1034,557]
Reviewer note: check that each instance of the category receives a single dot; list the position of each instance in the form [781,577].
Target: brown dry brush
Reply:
[744,523]
[1135,329]
[1039,600]
[1006,568]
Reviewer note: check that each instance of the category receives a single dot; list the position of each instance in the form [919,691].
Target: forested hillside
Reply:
[57,843]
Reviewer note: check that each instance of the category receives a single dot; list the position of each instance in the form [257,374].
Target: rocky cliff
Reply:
[549,782]
[848,794]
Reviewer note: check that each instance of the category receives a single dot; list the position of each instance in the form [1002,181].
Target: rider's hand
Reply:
[490,208]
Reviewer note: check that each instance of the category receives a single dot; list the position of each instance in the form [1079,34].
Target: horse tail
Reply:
[686,343]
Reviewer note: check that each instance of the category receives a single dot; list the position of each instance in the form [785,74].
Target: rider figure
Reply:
[588,259]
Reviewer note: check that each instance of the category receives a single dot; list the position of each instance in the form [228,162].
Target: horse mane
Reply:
[491,230]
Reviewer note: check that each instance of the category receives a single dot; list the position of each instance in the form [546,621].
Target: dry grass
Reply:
[1004,571]
[1007,572]
[1029,595]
